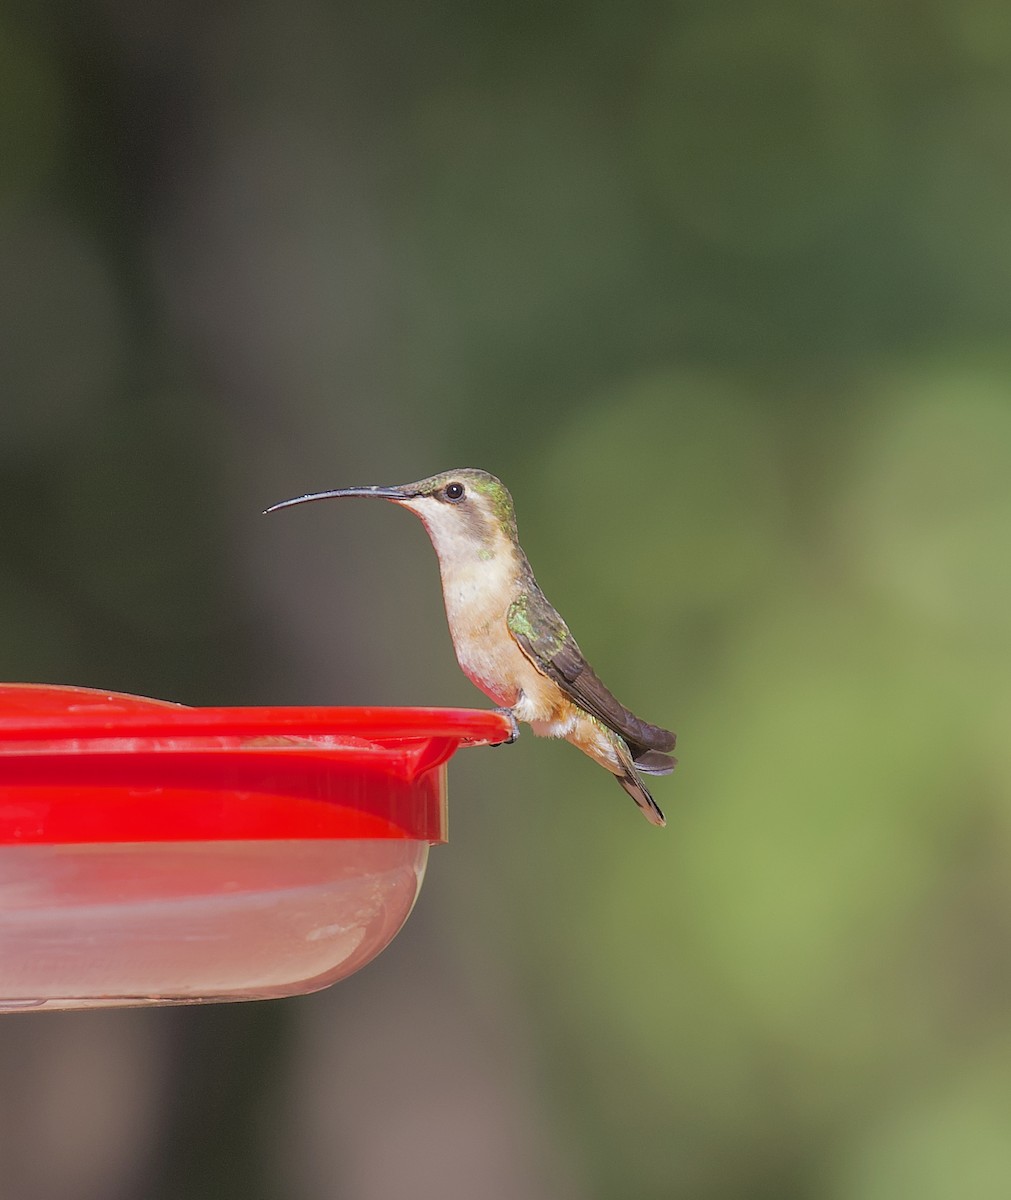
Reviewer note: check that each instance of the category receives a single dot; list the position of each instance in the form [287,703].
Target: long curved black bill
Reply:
[380,493]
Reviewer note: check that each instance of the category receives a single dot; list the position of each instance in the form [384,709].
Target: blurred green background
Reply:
[721,292]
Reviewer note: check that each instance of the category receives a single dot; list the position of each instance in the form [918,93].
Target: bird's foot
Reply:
[515,732]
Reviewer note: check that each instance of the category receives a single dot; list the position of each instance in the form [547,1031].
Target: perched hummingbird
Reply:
[509,640]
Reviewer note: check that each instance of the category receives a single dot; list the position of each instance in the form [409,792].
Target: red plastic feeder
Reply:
[152,853]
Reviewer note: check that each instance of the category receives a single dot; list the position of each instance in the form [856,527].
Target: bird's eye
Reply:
[453,491]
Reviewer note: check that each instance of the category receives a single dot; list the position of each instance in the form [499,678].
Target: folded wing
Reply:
[544,638]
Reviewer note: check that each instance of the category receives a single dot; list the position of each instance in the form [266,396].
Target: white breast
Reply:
[477,596]
[479,583]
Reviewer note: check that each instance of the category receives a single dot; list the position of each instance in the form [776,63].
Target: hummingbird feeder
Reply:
[152,853]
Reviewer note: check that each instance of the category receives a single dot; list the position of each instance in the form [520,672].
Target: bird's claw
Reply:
[515,730]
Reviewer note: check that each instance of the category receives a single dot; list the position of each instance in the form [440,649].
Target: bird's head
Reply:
[467,512]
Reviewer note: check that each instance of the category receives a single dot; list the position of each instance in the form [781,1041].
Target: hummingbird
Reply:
[509,640]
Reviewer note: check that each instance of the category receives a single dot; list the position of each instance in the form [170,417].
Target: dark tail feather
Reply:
[652,762]
[637,790]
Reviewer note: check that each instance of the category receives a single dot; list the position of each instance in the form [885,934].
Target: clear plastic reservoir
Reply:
[135,923]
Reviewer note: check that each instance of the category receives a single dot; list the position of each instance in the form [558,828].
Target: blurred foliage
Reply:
[721,292]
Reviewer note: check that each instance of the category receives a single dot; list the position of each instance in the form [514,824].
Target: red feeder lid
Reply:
[81,765]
